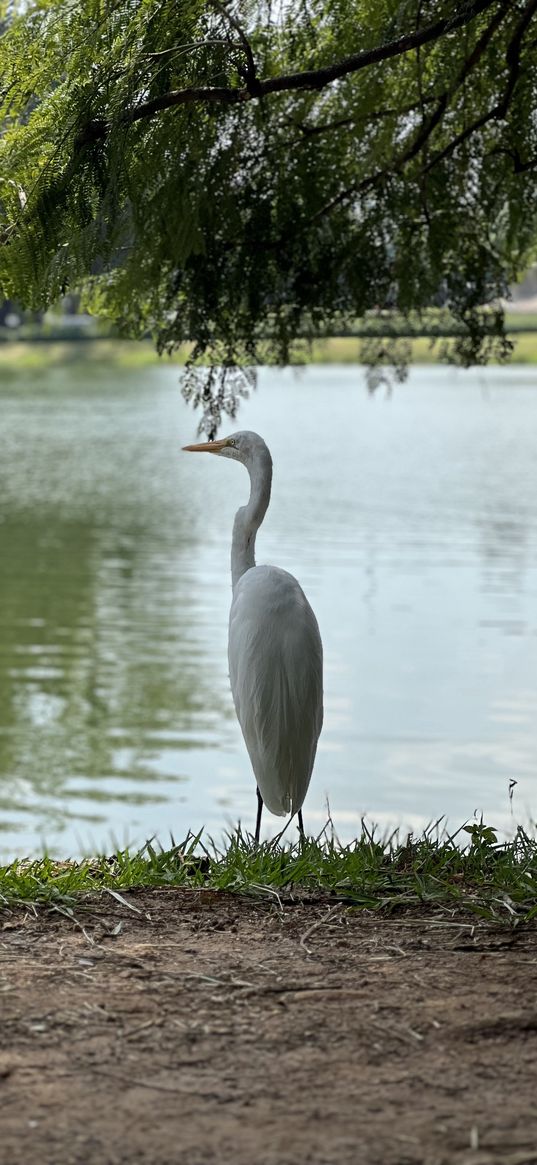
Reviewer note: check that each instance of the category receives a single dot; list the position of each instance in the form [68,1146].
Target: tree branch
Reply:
[183,97]
[310,131]
[250,73]
[513,152]
[469,64]
[195,44]
[513,53]
[500,109]
[519,166]
[428,126]
[290,82]
[318,78]
[461,137]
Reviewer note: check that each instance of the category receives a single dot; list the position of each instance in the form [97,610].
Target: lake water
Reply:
[411,521]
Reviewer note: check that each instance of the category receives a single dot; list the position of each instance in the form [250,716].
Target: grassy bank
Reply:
[347,350]
[471,871]
[30,357]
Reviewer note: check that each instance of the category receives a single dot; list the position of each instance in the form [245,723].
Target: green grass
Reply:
[491,880]
[27,355]
[346,350]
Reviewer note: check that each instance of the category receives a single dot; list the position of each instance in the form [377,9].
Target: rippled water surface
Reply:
[410,521]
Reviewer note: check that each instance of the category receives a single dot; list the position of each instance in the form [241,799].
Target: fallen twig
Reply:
[316,925]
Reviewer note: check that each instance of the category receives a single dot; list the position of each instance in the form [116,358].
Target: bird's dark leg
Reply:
[259,812]
[301,825]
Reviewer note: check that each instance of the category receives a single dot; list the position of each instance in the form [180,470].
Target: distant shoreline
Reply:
[34,353]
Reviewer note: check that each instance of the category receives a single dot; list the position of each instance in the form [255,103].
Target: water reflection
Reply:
[94,625]
[416,542]
[104,686]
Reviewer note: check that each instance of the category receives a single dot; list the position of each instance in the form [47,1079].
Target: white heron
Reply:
[275,651]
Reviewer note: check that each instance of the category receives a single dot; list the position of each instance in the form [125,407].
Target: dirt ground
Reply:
[191,1026]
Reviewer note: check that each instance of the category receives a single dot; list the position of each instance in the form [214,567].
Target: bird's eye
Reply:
[232,442]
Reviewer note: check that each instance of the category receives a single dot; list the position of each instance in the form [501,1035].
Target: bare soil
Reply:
[192,1026]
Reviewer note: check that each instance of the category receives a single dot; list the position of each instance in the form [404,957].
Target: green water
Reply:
[99,656]
[410,522]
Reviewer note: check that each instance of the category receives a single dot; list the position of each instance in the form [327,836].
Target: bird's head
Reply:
[247,447]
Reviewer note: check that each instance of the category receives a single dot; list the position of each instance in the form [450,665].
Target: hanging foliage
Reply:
[239,174]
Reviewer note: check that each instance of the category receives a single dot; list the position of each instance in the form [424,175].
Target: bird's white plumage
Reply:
[275,668]
[275,650]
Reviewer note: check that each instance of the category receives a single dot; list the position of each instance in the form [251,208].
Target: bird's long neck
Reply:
[249,518]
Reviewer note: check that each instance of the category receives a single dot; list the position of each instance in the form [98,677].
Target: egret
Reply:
[274,649]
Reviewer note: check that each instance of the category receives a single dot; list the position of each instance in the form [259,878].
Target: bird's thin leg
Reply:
[301,825]
[259,812]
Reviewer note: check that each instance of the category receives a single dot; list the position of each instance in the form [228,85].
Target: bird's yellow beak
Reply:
[206,447]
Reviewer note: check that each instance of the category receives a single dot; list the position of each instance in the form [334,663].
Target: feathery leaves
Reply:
[239,174]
